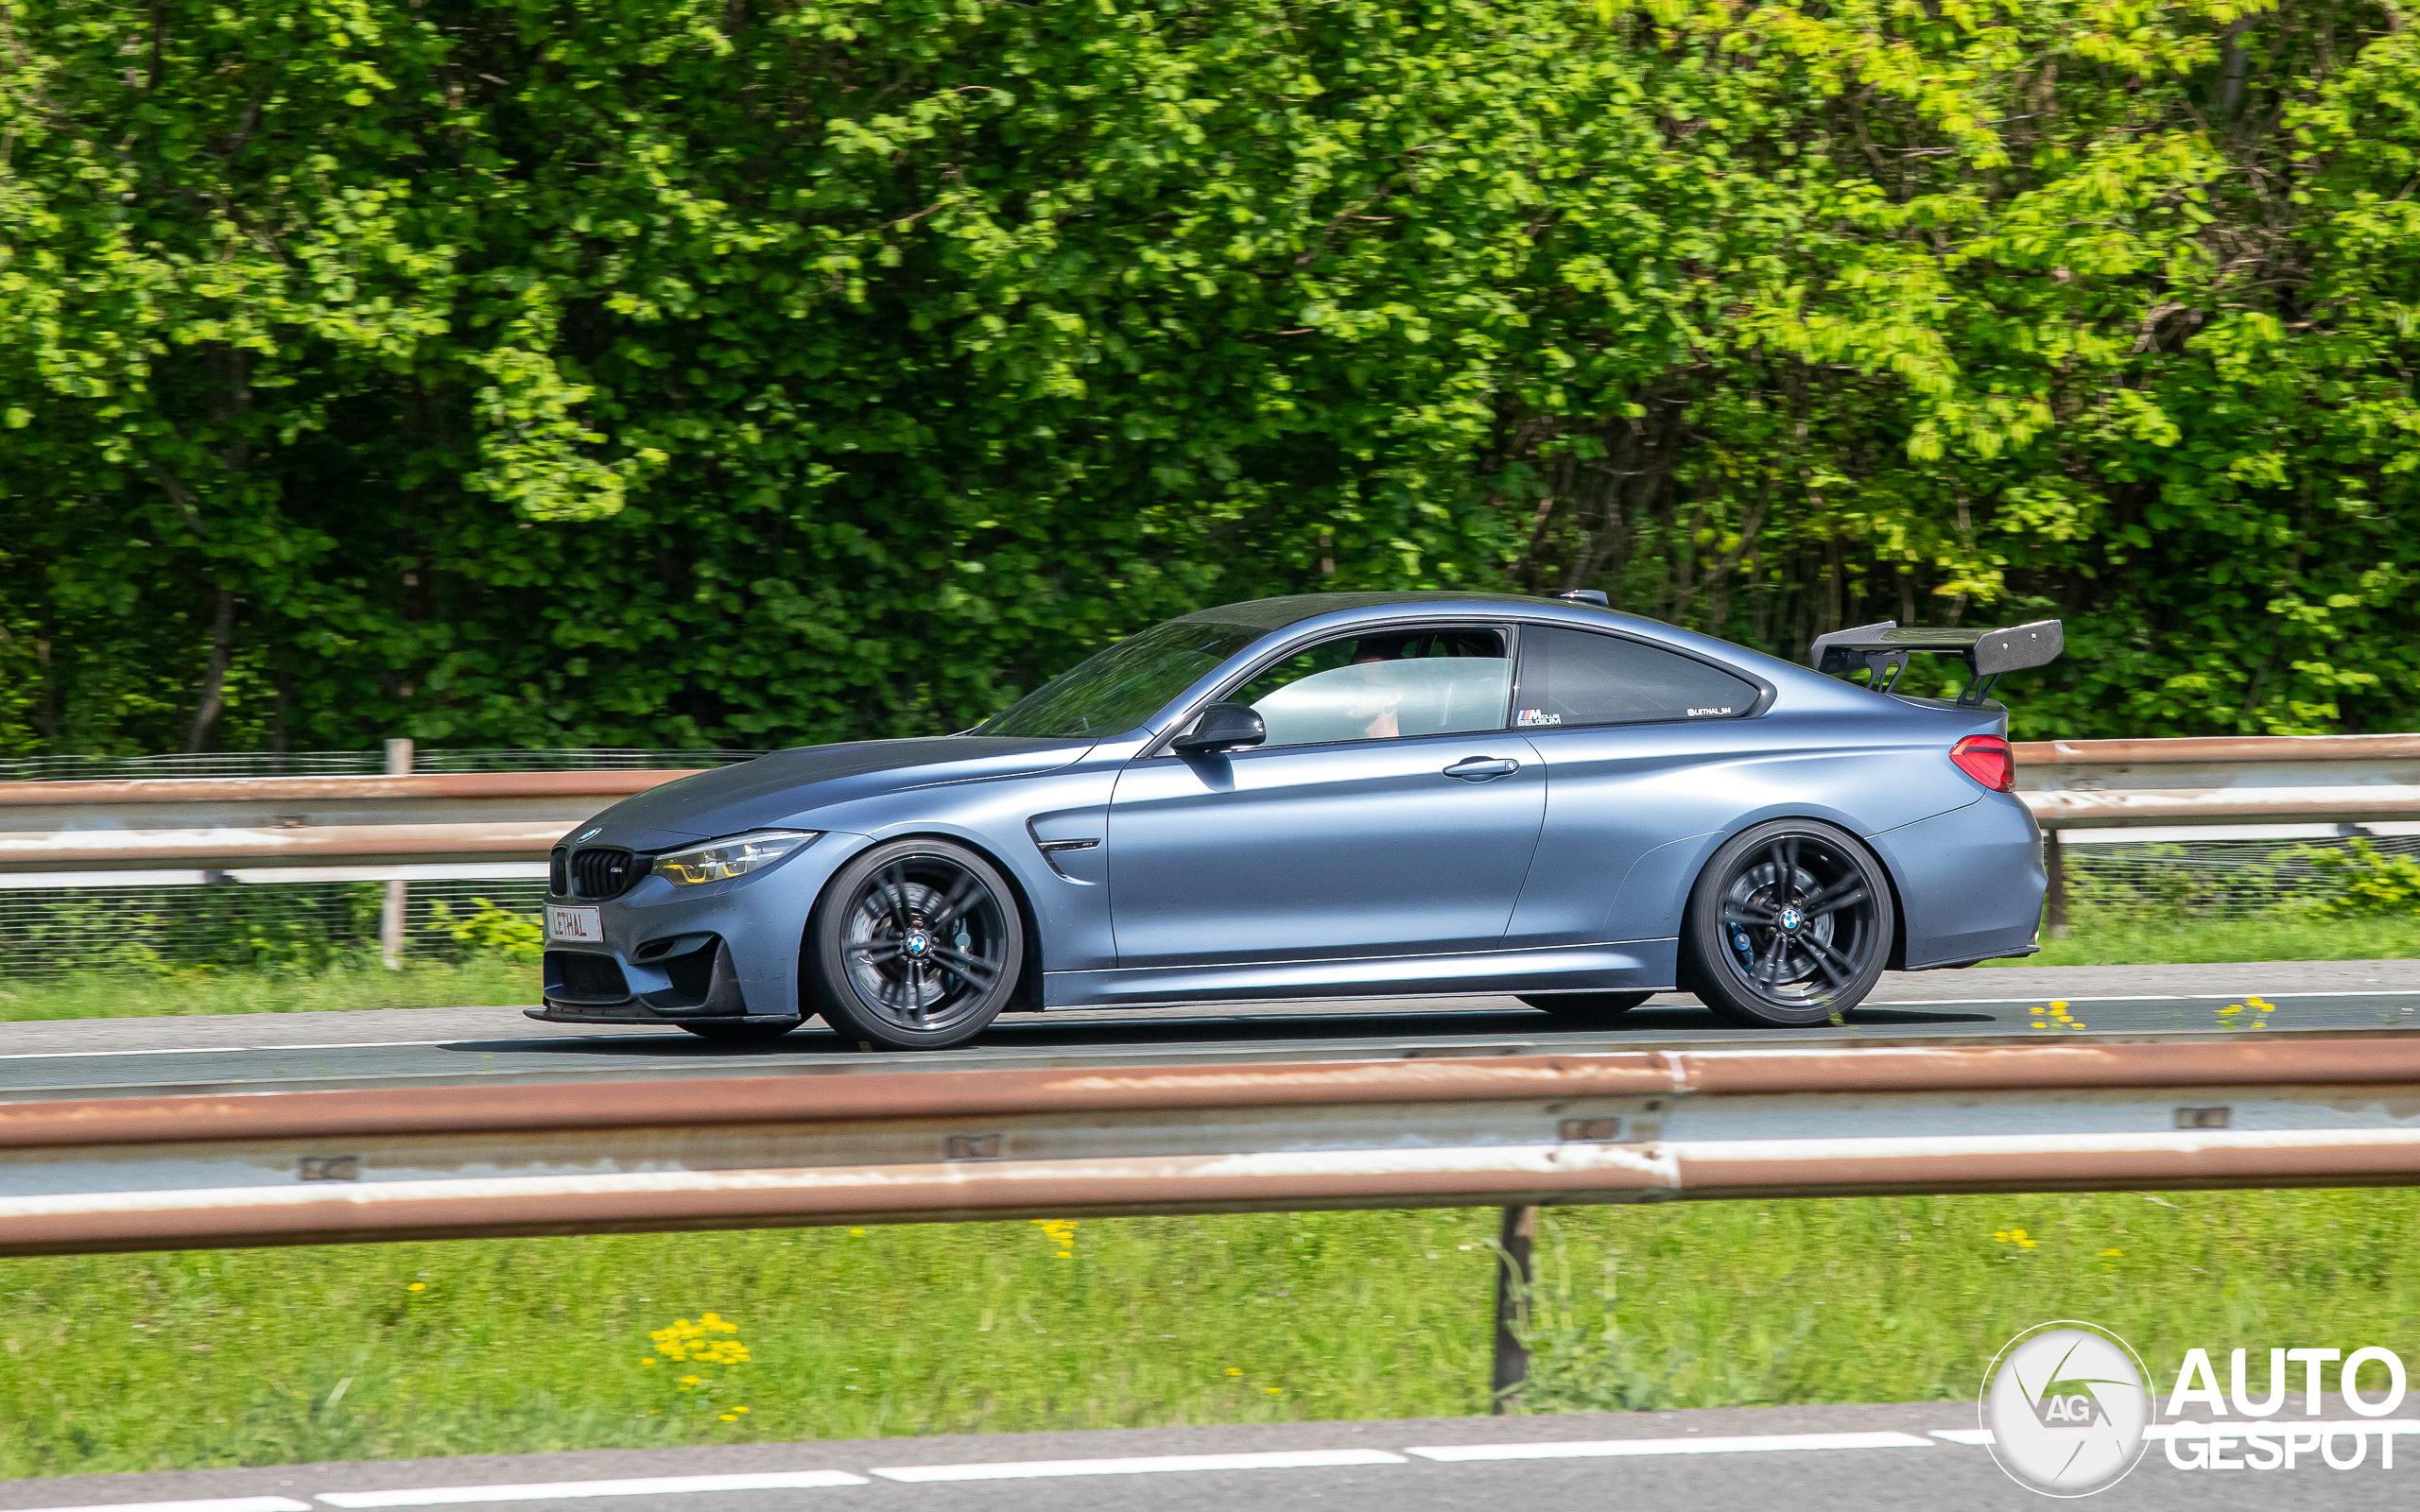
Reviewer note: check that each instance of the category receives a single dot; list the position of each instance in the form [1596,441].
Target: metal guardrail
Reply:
[2281,779]
[228,823]
[2076,1114]
[232,823]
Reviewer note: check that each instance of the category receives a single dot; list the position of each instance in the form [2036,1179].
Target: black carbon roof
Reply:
[1276,613]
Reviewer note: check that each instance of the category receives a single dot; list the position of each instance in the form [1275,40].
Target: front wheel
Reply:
[1587,1007]
[1790,925]
[917,945]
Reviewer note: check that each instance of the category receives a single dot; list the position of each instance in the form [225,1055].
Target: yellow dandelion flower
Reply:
[2111,1254]
[1273,1390]
[729,1419]
[859,1233]
[1233,1371]
[689,1381]
[417,1286]
[649,1364]
[739,1409]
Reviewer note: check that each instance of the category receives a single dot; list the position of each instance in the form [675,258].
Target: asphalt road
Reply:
[430,1046]
[1716,1460]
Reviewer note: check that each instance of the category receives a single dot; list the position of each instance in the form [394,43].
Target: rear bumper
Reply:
[1970,882]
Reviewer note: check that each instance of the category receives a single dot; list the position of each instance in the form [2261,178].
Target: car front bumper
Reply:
[726,952]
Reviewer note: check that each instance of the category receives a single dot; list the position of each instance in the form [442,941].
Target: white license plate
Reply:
[575,926]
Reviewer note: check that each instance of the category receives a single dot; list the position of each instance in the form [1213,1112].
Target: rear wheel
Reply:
[1587,1007]
[917,945]
[1790,925]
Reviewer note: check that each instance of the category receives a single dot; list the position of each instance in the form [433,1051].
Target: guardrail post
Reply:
[2054,862]
[1513,1276]
[390,916]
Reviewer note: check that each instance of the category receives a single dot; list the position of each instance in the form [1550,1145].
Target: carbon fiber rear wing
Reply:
[1881,651]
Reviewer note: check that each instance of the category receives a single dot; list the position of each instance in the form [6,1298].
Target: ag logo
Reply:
[2066,1407]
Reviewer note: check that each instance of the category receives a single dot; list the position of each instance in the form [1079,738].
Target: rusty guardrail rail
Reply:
[2073,1114]
[2261,778]
[224,823]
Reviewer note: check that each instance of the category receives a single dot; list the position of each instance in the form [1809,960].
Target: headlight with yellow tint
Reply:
[721,860]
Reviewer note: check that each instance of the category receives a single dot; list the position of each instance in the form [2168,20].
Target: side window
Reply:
[1384,687]
[1578,677]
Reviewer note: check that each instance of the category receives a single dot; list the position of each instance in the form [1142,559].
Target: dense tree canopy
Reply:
[589,371]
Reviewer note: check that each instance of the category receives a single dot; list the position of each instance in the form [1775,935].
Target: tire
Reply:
[1587,1007]
[742,1034]
[916,945]
[1771,956]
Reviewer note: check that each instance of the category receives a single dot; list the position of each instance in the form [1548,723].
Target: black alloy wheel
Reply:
[917,945]
[1586,1008]
[1790,925]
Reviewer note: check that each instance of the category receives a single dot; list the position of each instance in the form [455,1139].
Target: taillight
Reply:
[1987,759]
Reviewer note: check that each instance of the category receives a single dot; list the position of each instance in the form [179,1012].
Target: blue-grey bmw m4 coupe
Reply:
[1333,796]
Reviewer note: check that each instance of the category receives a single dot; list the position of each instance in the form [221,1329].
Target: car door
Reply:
[1645,758]
[1388,813]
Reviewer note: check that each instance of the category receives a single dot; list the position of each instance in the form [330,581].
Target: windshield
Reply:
[1119,688]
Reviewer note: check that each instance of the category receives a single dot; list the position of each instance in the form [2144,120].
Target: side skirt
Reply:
[1645,965]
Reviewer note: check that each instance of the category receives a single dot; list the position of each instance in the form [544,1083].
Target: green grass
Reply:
[2286,938]
[126,1363]
[481,980]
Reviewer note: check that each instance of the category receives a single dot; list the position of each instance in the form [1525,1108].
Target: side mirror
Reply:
[1221,726]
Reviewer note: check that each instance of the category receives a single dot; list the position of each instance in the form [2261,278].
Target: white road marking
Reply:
[2145,997]
[1981,1437]
[1612,1448]
[1158,1464]
[1149,1464]
[280,1050]
[216,1050]
[1910,1002]
[553,1490]
[224,1503]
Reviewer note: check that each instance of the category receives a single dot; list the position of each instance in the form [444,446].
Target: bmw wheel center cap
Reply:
[1791,919]
[918,942]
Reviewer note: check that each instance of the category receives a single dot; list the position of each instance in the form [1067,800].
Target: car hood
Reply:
[787,784]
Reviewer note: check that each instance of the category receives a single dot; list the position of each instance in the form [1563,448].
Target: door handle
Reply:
[1481,768]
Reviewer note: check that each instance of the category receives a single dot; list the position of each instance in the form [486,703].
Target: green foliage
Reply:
[578,372]
[486,927]
[2365,882]
[163,931]
[2282,936]
[353,980]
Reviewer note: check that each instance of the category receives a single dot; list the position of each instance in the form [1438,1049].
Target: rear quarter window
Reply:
[1578,677]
